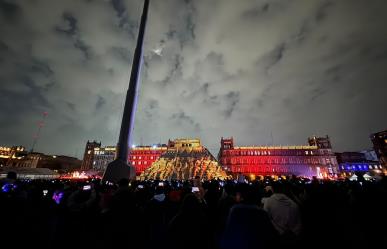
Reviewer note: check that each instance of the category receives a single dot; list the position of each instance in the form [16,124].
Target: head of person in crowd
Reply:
[11,177]
[248,227]
[159,195]
[123,183]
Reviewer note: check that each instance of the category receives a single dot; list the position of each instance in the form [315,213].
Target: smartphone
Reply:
[87,187]
[57,197]
[195,189]
[45,192]
[161,184]
[8,187]
[140,186]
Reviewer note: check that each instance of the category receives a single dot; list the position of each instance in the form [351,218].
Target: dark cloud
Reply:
[100,102]
[190,23]
[3,46]
[124,21]
[322,11]
[256,11]
[121,53]
[151,109]
[175,70]
[71,25]
[71,106]
[9,10]
[273,57]
[119,7]
[72,31]
[41,67]
[182,119]
[232,99]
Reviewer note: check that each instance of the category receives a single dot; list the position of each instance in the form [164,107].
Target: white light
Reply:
[154,147]
[158,51]
[133,146]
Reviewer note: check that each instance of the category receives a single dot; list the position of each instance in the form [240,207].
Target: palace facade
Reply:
[140,157]
[314,159]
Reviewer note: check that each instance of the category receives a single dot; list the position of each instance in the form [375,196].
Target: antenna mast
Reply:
[37,134]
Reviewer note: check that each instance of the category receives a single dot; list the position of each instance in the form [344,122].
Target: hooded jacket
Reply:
[284,213]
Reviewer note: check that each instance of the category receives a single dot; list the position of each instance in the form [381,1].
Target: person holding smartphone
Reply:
[197,189]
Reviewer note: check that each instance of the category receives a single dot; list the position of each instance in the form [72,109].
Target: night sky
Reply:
[246,69]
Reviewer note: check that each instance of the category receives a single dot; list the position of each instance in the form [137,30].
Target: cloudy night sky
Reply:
[211,68]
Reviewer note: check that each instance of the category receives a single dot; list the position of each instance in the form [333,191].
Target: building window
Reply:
[306,152]
[134,157]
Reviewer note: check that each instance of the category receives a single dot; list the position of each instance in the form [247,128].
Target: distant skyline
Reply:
[212,69]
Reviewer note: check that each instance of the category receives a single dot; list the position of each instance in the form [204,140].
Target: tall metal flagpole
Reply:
[119,168]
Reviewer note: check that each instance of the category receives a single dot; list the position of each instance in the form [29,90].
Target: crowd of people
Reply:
[264,213]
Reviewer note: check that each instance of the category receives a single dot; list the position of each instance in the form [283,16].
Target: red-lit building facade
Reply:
[315,159]
[141,157]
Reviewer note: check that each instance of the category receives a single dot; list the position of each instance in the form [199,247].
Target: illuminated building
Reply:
[184,159]
[39,160]
[354,157]
[320,142]
[370,155]
[59,162]
[140,157]
[373,168]
[358,162]
[315,159]
[379,141]
[88,156]
[10,154]
[18,157]
[29,160]
[103,156]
